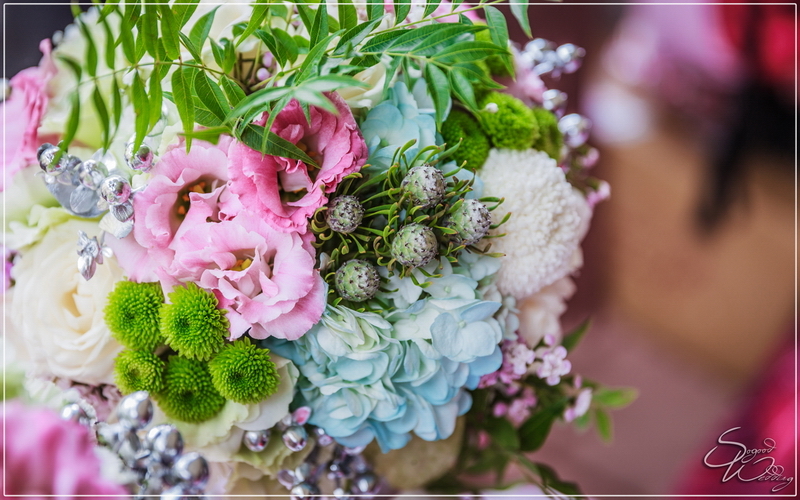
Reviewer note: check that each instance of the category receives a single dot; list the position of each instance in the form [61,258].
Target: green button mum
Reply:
[132,314]
[189,394]
[508,122]
[192,324]
[550,138]
[475,144]
[244,373]
[138,371]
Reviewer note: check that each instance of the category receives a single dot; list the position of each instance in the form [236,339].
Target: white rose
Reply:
[366,97]
[56,316]
[540,313]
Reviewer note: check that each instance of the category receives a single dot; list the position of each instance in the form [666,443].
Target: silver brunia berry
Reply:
[357,280]
[414,245]
[425,185]
[344,214]
[471,222]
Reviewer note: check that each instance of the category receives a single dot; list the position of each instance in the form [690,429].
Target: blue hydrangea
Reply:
[392,123]
[368,377]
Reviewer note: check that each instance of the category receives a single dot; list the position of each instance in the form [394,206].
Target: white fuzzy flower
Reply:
[549,218]
[57,318]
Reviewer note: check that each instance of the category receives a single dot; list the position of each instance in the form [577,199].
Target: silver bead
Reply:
[46,154]
[256,440]
[555,101]
[356,450]
[340,494]
[122,212]
[303,472]
[165,443]
[570,57]
[179,493]
[91,173]
[191,469]
[295,437]
[286,478]
[135,410]
[365,483]
[130,450]
[304,490]
[108,435]
[74,413]
[115,190]
[141,160]
[323,439]
[575,129]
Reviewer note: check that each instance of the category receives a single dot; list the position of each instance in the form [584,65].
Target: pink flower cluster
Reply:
[519,409]
[45,455]
[517,357]
[235,221]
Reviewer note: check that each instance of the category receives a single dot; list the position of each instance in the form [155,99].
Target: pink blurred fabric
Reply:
[45,455]
[769,413]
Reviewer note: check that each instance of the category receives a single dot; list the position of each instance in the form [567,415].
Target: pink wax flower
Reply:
[184,190]
[287,192]
[24,109]
[264,278]
[45,455]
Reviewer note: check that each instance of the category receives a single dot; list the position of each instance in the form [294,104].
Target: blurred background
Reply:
[690,273]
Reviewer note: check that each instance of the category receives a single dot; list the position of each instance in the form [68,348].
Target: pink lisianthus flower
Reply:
[45,455]
[184,190]
[264,278]
[24,109]
[287,192]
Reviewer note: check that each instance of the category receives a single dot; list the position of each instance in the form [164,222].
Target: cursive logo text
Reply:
[748,464]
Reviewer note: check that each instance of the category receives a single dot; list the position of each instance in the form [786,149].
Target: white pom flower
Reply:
[549,218]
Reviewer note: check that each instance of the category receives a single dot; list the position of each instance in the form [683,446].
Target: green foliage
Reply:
[474,148]
[189,394]
[512,125]
[244,373]
[192,324]
[226,96]
[498,65]
[138,371]
[132,314]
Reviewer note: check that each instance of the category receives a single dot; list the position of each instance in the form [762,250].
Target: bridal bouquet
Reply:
[320,247]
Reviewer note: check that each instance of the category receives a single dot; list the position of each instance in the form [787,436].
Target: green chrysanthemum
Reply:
[138,371]
[244,373]
[132,314]
[496,63]
[508,122]
[189,394]
[192,324]
[550,138]
[475,146]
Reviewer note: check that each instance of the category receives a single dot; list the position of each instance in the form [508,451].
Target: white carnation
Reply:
[57,318]
[549,218]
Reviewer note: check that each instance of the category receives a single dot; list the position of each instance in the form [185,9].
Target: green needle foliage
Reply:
[189,395]
[192,324]
[132,314]
[244,373]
